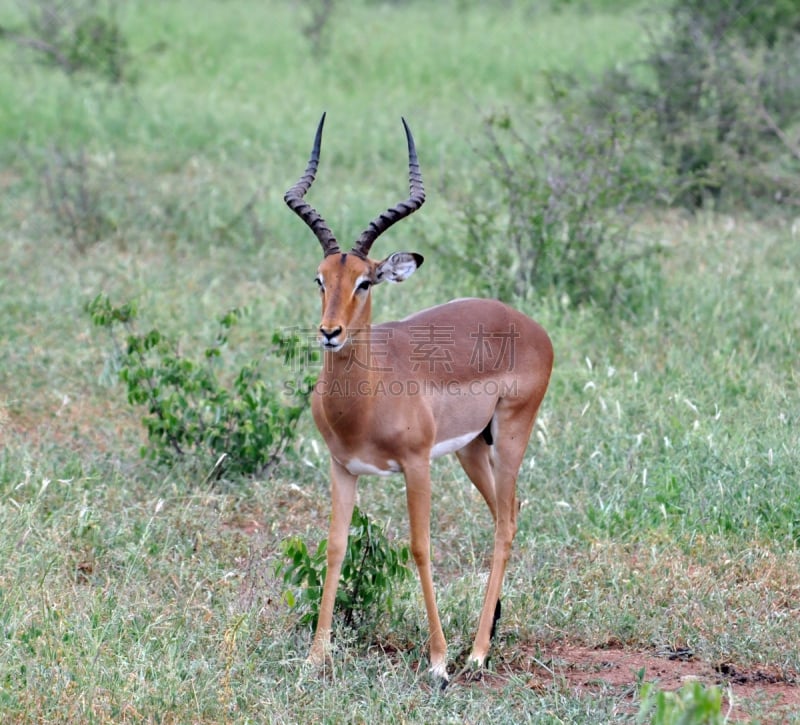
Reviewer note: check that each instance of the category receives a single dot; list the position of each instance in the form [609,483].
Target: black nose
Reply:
[330,334]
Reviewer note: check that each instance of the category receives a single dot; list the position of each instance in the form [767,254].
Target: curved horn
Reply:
[415,200]
[294,198]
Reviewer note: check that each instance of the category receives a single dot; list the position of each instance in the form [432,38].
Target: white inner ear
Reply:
[396,267]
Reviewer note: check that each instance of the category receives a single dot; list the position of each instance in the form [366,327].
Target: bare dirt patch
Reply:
[93,425]
[766,692]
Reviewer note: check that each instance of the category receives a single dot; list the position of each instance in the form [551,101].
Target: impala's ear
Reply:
[397,267]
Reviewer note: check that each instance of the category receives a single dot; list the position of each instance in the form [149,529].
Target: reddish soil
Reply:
[770,694]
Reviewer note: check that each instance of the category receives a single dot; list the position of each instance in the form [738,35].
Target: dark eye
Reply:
[318,280]
[365,285]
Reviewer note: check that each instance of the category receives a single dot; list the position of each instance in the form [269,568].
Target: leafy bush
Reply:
[722,88]
[765,23]
[693,704]
[559,216]
[80,36]
[79,196]
[317,29]
[191,413]
[371,570]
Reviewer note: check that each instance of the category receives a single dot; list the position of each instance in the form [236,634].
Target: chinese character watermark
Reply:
[430,345]
[485,354]
[432,350]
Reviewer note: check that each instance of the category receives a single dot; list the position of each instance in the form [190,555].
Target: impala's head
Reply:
[346,279]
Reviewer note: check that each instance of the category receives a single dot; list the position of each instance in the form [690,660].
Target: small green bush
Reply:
[80,196]
[721,86]
[78,37]
[559,217]
[371,571]
[317,29]
[761,24]
[191,412]
[693,704]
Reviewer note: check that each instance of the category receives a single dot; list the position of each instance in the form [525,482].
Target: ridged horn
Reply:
[294,199]
[391,216]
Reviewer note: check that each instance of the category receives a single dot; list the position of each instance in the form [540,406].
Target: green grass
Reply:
[660,501]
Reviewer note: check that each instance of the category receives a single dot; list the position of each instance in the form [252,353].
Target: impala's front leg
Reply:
[418,493]
[343,496]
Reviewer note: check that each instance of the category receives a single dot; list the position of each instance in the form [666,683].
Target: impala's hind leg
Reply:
[514,425]
[476,460]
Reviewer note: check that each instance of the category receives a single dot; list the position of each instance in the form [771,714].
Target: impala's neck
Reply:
[347,384]
[356,365]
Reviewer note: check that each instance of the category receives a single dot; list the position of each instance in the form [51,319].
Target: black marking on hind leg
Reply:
[497,612]
[487,434]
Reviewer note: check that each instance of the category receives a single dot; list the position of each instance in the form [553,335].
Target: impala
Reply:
[466,377]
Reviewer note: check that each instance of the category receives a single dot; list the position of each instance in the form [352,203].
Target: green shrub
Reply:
[759,24]
[80,195]
[371,571]
[243,426]
[722,89]
[559,215]
[317,29]
[693,704]
[78,37]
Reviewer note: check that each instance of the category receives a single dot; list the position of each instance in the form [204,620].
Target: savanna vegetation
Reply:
[626,174]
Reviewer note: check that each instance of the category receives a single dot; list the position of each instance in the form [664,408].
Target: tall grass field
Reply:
[660,496]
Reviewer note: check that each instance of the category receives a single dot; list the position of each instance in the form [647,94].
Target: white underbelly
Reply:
[442,448]
[357,467]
